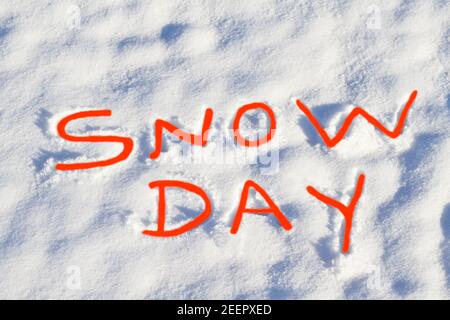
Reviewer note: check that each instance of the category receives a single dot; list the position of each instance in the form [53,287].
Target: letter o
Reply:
[242,110]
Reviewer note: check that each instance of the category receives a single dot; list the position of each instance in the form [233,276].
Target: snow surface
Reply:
[78,234]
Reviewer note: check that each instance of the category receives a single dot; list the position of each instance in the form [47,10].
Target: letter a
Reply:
[271,209]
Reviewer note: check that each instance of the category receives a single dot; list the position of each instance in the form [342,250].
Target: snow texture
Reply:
[78,234]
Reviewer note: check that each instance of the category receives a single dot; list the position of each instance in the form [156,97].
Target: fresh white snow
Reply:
[78,234]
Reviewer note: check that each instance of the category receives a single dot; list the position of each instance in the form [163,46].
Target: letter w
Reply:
[331,142]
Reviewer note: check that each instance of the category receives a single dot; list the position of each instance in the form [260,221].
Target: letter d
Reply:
[267,309]
[162,185]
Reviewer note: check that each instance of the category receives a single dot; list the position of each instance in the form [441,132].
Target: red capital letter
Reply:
[347,211]
[358,111]
[271,209]
[126,142]
[162,185]
[200,140]
[273,125]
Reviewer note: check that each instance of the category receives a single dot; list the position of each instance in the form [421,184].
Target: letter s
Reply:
[61,128]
